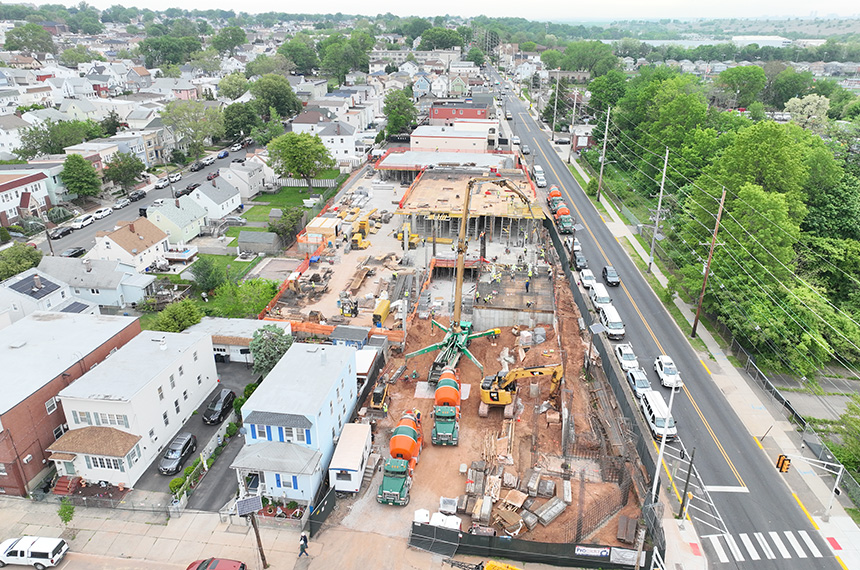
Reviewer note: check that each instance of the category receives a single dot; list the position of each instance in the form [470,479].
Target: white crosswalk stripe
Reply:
[809,543]
[749,546]
[740,547]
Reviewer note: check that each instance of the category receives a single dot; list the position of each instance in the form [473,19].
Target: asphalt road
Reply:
[755,505]
[85,237]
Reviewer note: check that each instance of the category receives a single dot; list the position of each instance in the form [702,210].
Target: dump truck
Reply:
[446,409]
[404,448]
[565,224]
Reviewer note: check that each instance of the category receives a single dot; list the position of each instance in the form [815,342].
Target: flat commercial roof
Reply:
[443,192]
[417,159]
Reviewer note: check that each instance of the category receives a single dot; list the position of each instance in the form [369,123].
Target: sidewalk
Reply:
[759,417]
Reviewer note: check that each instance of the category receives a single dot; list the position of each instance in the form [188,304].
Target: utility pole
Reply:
[555,107]
[603,154]
[708,266]
[659,204]
[655,495]
[687,484]
[573,126]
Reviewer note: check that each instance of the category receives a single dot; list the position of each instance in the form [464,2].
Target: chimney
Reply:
[37,282]
[88,265]
[323,359]
[177,202]
[131,227]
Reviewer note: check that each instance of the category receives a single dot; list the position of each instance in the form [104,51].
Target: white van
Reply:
[538,170]
[610,319]
[657,416]
[600,296]
[35,551]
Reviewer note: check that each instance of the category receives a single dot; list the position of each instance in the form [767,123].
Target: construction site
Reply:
[521,444]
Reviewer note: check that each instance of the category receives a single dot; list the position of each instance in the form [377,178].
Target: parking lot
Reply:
[211,494]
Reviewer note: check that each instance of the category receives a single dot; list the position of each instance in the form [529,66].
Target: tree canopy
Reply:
[228,39]
[123,169]
[80,177]
[299,154]
[52,137]
[268,345]
[400,112]
[18,258]
[29,38]
[274,91]
[194,122]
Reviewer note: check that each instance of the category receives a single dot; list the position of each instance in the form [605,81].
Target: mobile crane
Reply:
[501,389]
[459,335]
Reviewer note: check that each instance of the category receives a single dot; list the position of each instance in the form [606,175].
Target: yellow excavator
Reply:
[501,390]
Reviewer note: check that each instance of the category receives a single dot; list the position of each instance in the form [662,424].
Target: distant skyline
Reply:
[546,10]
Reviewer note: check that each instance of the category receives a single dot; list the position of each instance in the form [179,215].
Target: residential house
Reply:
[102,152]
[457,86]
[421,85]
[51,168]
[181,219]
[132,142]
[21,61]
[347,335]
[71,88]
[218,198]
[247,177]
[338,137]
[80,109]
[232,337]
[34,290]
[170,88]
[42,354]
[408,67]
[139,244]
[22,194]
[20,77]
[142,115]
[101,282]
[116,429]
[293,419]
[40,116]
[138,78]
[11,127]
[10,100]
[377,65]
[355,78]
[466,68]
[37,95]
[439,86]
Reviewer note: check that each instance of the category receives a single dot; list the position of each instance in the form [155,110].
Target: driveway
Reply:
[234,376]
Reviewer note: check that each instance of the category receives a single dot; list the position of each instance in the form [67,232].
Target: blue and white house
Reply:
[293,419]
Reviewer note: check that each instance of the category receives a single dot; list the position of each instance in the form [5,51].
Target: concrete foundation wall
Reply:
[488,317]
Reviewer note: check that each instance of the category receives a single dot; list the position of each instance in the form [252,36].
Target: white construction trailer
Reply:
[346,469]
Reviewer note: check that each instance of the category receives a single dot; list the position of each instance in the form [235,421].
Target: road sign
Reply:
[249,505]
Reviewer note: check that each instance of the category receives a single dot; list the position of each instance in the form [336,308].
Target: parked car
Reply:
[224,153]
[121,203]
[586,277]
[162,183]
[102,213]
[82,221]
[236,147]
[36,551]
[626,357]
[217,564]
[526,149]
[213,175]
[235,221]
[562,140]
[157,203]
[59,232]
[175,177]
[579,261]
[192,187]
[182,446]
[209,160]
[239,160]
[73,252]
[610,276]
[638,381]
[667,372]
[220,407]
[137,195]
[197,166]
[577,246]
[515,140]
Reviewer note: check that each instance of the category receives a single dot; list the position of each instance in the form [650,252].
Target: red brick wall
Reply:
[28,428]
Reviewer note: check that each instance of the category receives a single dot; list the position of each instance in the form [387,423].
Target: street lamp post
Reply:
[603,154]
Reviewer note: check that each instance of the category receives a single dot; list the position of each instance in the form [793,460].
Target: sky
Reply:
[542,10]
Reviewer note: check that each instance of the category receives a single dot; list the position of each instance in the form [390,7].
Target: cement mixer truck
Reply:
[404,448]
[446,410]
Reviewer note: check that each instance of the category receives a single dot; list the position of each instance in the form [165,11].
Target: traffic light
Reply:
[783,463]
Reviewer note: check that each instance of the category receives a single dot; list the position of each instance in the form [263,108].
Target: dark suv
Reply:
[220,407]
[610,276]
[182,446]
[197,166]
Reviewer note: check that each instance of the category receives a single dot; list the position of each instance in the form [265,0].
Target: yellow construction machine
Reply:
[360,231]
[501,390]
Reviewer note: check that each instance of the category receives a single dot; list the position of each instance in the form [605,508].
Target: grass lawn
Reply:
[257,214]
[286,198]
[331,173]
[233,231]
[222,261]
[147,320]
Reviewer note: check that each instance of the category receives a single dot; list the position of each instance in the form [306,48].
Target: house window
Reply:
[152,434]
[331,407]
[172,381]
[133,456]
[333,433]
[185,394]
[181,372]
[51,405]
[59,431]
[112,419]
[62,294]
[164,417]
[301,435]
[343,476]
[176,405]
[3,469]
[195,356]
[261,431]
[94,291]
[160,393]
[199,379]
[105,462]
[288,434]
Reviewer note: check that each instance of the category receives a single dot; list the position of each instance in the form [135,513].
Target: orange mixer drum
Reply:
[448,389]
[407,439]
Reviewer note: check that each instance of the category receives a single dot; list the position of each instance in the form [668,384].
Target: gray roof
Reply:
[102,274]
[50,113]
[9,122]
[218,190]
[275,419]
[302,379]
[82,104]
[347,332]
[136,363]
[240,328]
[188,211]
[278,457]
[265,238]
[335,129]
[43,345]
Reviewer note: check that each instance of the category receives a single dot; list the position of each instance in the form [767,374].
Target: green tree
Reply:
[66,511]
[18,258]
[810,112]
[52,137]
[208,61]
[272,129]
[242,300]
[123,169]
[289,224]
[206,274]
[240,119]
[29,38]
[194,122]
[228,39]
[176,317]
[551,58]
[74,56]
[161,50]
[607,89]
[400,112]
[835,212]
[233,86]
[476,56]
[111,124]
[264,64]
[268,345]
[439,38]
[299,154]
[594,57]
[300,50]
[170,70]
[275,91]
[80,177]
[557,111]
[743,83]
[786,85]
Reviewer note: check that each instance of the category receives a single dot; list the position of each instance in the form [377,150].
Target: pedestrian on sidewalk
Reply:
[303,545]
